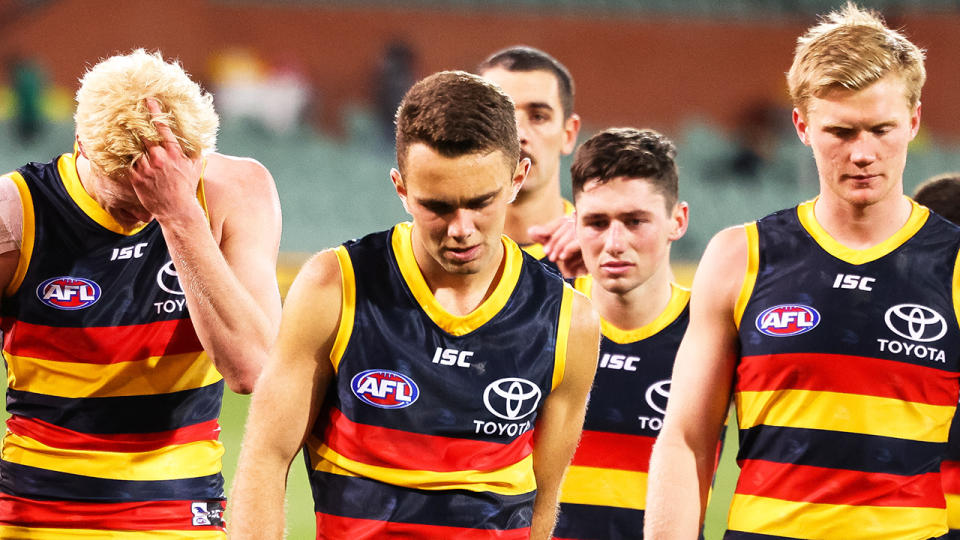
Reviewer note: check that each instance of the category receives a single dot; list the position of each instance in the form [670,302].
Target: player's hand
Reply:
[164,178]
[560,244]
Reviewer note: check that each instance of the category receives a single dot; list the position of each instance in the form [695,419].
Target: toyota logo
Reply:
[511,398]
[657,395]
[168,280]
[915,322]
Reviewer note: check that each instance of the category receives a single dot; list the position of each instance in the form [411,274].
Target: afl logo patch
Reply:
[384,389]
[787,320]
[67,292]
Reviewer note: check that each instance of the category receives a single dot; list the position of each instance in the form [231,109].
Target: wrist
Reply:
[187,216]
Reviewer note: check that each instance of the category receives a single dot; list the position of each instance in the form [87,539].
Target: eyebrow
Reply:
[536,105]
[469,202]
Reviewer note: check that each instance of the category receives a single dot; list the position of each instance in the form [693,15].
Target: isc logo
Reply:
[619,361]
[384,389]
[451,357]
[69,293]
[787,320]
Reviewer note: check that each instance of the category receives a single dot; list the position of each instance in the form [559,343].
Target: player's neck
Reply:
[530,208]
[460,294]
[638,307]
[862,227]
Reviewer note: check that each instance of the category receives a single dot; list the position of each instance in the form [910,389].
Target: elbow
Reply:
[241,373]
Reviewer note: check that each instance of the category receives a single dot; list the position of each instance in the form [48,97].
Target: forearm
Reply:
[544,514]
[256,506]
[674,482]
[233,328]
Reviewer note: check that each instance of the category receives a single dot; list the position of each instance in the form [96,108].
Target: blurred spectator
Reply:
[394,76]
[245,86]
[27,82]
[757,137]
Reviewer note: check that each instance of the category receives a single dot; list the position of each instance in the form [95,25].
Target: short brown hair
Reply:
[456,113]
[942,195]
[852,48]
[524,58]
[631,153]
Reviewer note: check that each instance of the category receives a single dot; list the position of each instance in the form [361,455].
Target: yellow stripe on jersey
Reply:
[348,306]
[953,510]
[189,460]
[777,517]
[918,216]
[604,487]
[678,300]
[457,325]
[753,266]
[27,235]
[515,479]
[535,250]
[834,411]
[8,532]
[563,333]
[956,288]
[153,375]
[67,166]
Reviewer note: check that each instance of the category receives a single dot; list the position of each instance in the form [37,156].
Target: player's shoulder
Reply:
[320,272]
[224,173]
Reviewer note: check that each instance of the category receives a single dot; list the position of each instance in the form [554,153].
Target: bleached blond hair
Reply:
[112,118]
[852,48]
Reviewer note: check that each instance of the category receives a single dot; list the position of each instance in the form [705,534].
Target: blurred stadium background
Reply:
[307,87]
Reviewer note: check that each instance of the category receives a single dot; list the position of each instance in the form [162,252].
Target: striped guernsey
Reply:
[114,405]
[847,381]
[428,429]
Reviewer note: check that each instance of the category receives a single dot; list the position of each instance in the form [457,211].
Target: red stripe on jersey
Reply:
[613,451]
[847,374]
[59,437]
[137,516]
[950,476]
[397,449]
[838,486]
[100,345]
[331,526]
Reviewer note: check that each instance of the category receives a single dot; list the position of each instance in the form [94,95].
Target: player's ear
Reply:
[519,175]
[680,219]
[800,123]
[398,185]
[571,127]
[80,146]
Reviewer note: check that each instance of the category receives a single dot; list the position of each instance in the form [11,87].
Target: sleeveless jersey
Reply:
[427,431]
[604,492]
[536,249]
[847,380]
[114,405]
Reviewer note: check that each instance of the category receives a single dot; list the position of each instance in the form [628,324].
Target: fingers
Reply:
[156,114]
[543,233]
[562,237]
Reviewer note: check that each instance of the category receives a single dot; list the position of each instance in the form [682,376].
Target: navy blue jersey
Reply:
[847,381]
[604,492]
[428,429]
[112,399]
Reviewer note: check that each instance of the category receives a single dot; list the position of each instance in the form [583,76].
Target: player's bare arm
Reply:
[287,399]
[227,265]
[11,230]
[683,459]
[560,423]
